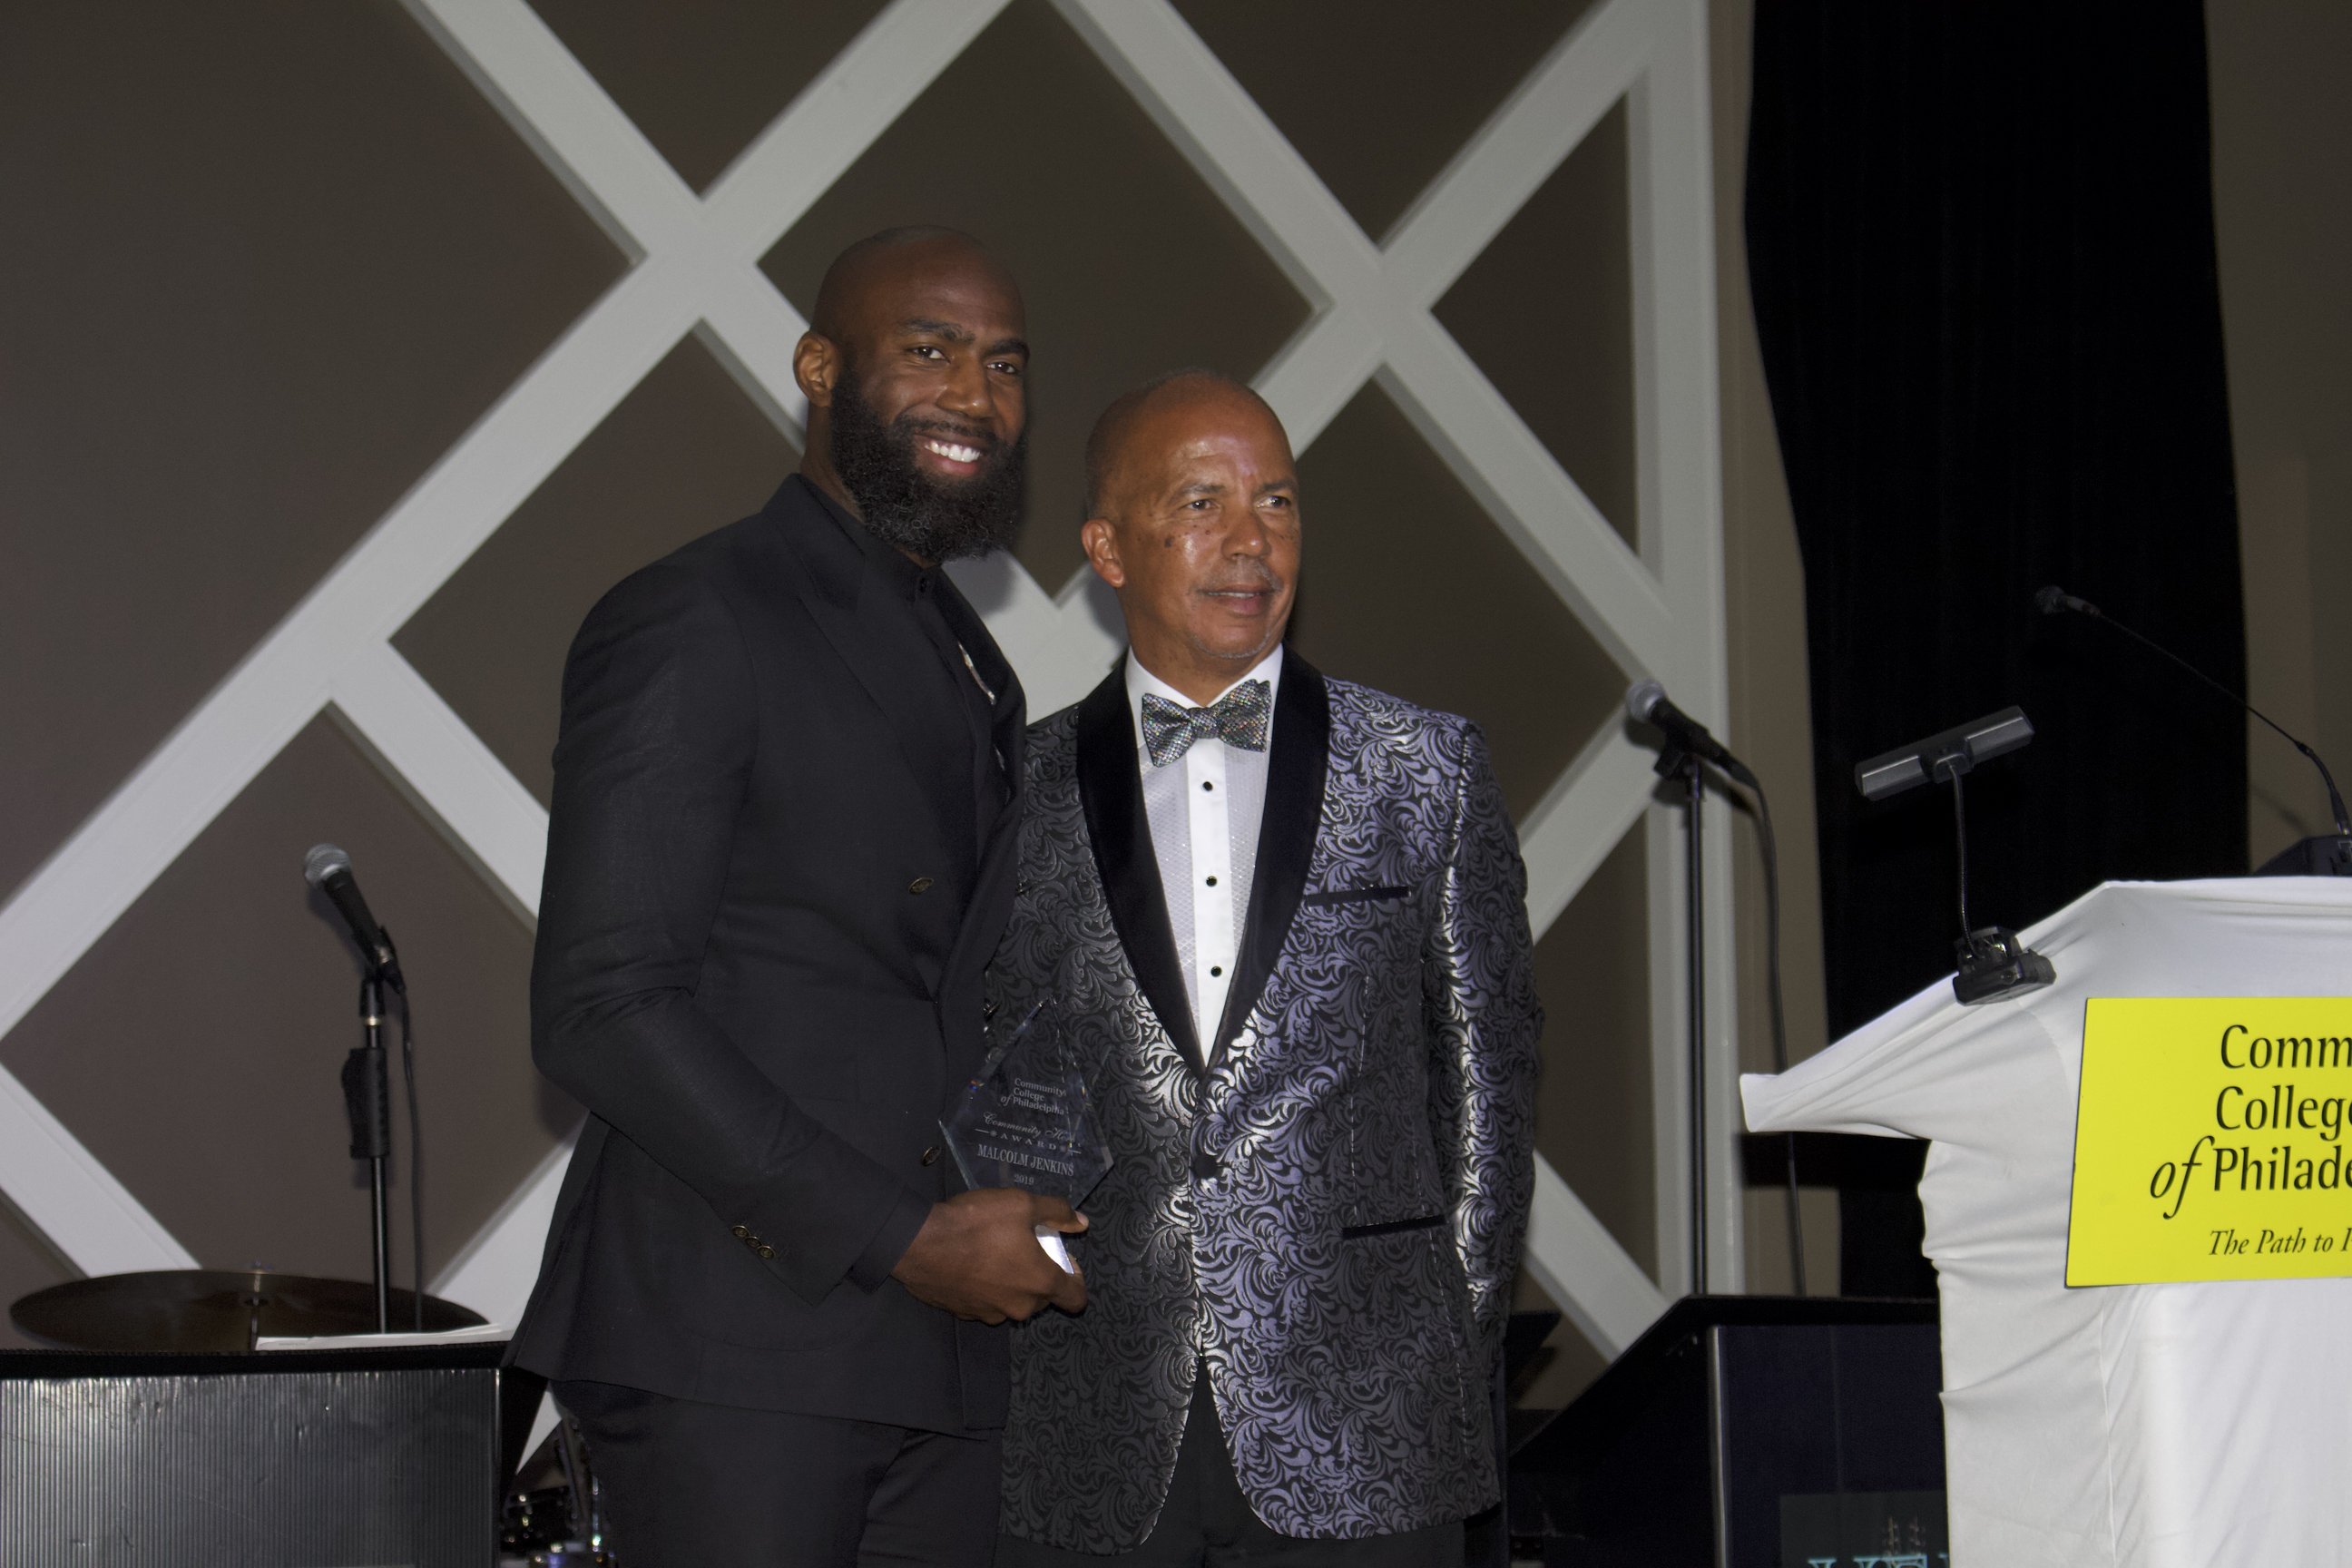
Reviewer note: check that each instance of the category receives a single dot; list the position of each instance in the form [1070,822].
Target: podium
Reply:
[1743,1432]
[2139,1426]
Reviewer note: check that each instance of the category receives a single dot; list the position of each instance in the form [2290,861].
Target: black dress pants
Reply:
[1207,1523]
[688,1485]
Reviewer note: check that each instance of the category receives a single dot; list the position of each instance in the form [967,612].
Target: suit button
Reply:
[766,1251]
[1205,1166]
[931,1156]
[919,885]
[988,1009]
[742,1231]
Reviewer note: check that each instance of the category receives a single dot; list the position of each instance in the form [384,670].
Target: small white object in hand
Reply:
[1051,1240]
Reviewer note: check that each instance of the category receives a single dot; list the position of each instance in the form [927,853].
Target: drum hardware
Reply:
[200,1310]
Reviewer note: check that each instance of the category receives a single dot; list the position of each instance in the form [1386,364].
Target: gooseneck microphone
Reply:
[2053,600]
[1645,701]
[329,869]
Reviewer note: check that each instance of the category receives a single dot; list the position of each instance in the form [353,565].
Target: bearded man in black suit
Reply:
[780,856]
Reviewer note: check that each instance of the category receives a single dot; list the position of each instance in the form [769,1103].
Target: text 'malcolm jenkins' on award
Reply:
[1025,1122]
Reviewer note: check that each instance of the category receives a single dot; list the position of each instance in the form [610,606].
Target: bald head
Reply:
[1192,518]
[884,266]
[1135,411]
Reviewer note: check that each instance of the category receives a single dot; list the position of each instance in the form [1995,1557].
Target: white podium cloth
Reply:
[2147,1425]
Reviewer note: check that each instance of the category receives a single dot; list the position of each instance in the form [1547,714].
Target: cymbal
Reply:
[211,1310]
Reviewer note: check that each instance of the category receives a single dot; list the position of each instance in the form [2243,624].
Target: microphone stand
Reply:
[1678,761]
[367,1100]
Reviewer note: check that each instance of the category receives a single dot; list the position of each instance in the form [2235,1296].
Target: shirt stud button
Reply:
[1212,882]
[1216,971]
[919,885]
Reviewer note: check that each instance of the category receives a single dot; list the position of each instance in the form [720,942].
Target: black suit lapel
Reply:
[1008,712]
[1286,837]
[1110,788]
[991,899]
[886,653]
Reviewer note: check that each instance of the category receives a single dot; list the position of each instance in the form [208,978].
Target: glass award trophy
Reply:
[1025,1122]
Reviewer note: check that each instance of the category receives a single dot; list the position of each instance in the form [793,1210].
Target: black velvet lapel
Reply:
[1110,788]
[1286,837]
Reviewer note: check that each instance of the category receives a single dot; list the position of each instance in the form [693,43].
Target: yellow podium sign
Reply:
[2211,1139]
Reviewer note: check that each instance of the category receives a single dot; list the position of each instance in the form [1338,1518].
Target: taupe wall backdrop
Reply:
[1772,709]
[2282,218]
[352,350]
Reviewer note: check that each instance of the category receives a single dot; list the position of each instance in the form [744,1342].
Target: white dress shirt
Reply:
[1205,809]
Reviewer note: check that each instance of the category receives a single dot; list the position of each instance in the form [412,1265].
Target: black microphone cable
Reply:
[1772,850]
[415,1158]
[415,1164]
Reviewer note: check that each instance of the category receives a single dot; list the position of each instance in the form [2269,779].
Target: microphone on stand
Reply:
[1645,701]
[329,869]
[367,1095]
[2324,856]
[1688,744]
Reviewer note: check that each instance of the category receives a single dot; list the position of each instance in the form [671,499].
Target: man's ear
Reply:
[1100,541]
[816,364]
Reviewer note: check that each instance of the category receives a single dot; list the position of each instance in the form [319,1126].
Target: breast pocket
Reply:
[1390,1227]
[1384,893]
[1376,929]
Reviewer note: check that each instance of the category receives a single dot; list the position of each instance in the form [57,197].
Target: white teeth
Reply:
[954,453]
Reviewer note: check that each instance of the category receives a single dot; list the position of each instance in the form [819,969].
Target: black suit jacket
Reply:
[774,877]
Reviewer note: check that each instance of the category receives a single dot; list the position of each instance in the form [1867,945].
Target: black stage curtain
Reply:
[1980,238]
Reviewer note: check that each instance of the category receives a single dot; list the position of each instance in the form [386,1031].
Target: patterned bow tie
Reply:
[1239,719]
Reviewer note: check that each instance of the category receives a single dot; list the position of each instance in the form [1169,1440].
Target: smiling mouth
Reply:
[1252,597]
[953,451]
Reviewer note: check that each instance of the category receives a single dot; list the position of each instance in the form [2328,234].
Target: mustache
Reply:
[1256,578]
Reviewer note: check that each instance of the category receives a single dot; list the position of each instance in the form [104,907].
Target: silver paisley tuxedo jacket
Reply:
[1323,1201]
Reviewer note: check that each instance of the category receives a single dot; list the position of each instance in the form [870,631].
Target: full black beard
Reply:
[906,507]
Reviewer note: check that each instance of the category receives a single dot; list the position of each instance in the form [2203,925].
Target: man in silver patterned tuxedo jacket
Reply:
[1281,921]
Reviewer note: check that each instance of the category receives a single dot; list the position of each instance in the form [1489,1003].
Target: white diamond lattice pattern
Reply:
[1658,612]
